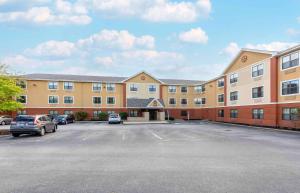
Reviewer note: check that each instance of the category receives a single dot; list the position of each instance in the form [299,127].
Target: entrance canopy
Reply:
[150,103]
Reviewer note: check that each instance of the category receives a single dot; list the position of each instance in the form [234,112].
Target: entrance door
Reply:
[152,115]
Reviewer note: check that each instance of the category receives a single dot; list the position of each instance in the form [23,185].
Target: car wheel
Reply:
[15,135]
[42,131]
[54,130]
[3,123]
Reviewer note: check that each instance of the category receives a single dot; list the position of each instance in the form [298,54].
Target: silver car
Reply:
[114,118]
[38,124]
[5,120]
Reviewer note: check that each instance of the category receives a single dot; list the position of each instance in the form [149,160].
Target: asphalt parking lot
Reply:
[166,158]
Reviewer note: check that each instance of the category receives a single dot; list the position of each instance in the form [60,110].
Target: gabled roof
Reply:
[142,72]
[142,103]
[294,48]
[272,53]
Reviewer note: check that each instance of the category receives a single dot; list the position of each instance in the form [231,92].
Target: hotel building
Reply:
[257,88]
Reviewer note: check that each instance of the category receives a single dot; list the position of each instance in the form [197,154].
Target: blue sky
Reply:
[193,39]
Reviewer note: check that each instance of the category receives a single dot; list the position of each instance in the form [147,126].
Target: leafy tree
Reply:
[81,116]
[9,91]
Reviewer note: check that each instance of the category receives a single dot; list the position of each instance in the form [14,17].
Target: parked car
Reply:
[114,118]
[37,124]
[5,120]
[64,119]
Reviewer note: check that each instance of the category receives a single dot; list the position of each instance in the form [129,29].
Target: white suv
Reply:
[114,118]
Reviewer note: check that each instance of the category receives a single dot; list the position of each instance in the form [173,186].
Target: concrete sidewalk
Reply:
[4,130]
[145,122]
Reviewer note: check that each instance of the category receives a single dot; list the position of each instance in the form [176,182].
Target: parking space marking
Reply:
[157,136]
[123,136]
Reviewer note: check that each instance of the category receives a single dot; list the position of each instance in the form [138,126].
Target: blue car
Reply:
[64,119]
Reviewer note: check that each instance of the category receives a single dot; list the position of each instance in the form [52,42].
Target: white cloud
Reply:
[293,32]
[53,49]
[117,39]
[196,35]
[106,61]
[64,13]
[231,50]
[273,46]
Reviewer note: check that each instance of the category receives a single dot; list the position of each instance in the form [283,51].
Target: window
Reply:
[183,89]
[221,98]
[221,82]
[203,101]
[110,100]
[290,114]
[258,70]
[290,60]
[53,100]
[68,85]
[199,88]
[197,101]
[68,112]
[97,100]
[110,87]
[68,100]
[234,96]
[22,99]
[133,87]
[233,78]
[97,87]
[52,85]
[152,88]
[172,101]
[22,112]
[133,113]
[172,89]
[257,114]
[233,113]
[51,112]
[22,84]
[184,101]
[221,113]
[183,113]
[258,92]
[290,87]
[110,112]
[96,113]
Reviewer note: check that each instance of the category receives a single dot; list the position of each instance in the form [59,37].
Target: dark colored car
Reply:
[37,124]
[64,119]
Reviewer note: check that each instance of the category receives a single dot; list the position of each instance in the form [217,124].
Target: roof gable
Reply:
[247,57]
[143,77]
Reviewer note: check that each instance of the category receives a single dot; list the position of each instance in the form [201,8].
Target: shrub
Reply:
[81,116]
[123,115]
[103,116]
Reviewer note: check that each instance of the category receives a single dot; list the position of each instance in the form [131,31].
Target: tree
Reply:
[9,91]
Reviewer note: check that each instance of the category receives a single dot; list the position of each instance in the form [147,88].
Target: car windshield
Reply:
[113,116]
[62,116]
[25,119]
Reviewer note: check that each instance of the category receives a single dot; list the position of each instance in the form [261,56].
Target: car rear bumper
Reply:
[25,130]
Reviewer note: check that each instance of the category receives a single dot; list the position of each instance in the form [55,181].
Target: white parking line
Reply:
[155,135]
[123,136]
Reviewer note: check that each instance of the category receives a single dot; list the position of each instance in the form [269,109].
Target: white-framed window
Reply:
[134,113]
[52,85]
[290,87]
[97,100]
[22,112]
[183,101]
[134,88]
[53,99]
[152,88]
[68,112]
[172,89]
[258,92]
[53,112]
[96,113]
[234,78]
[221,82]
[257,114]
[234,96]
[110,87]
[234,113]
[97,87]
[110,100]
[290,114]
[183,89]
[68,100]
[172,101]
[257,70]
[203,101]
[22,99]
[221,98]
[199,88]
[290,60]
[68,85]
[22,84]
[198,101]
